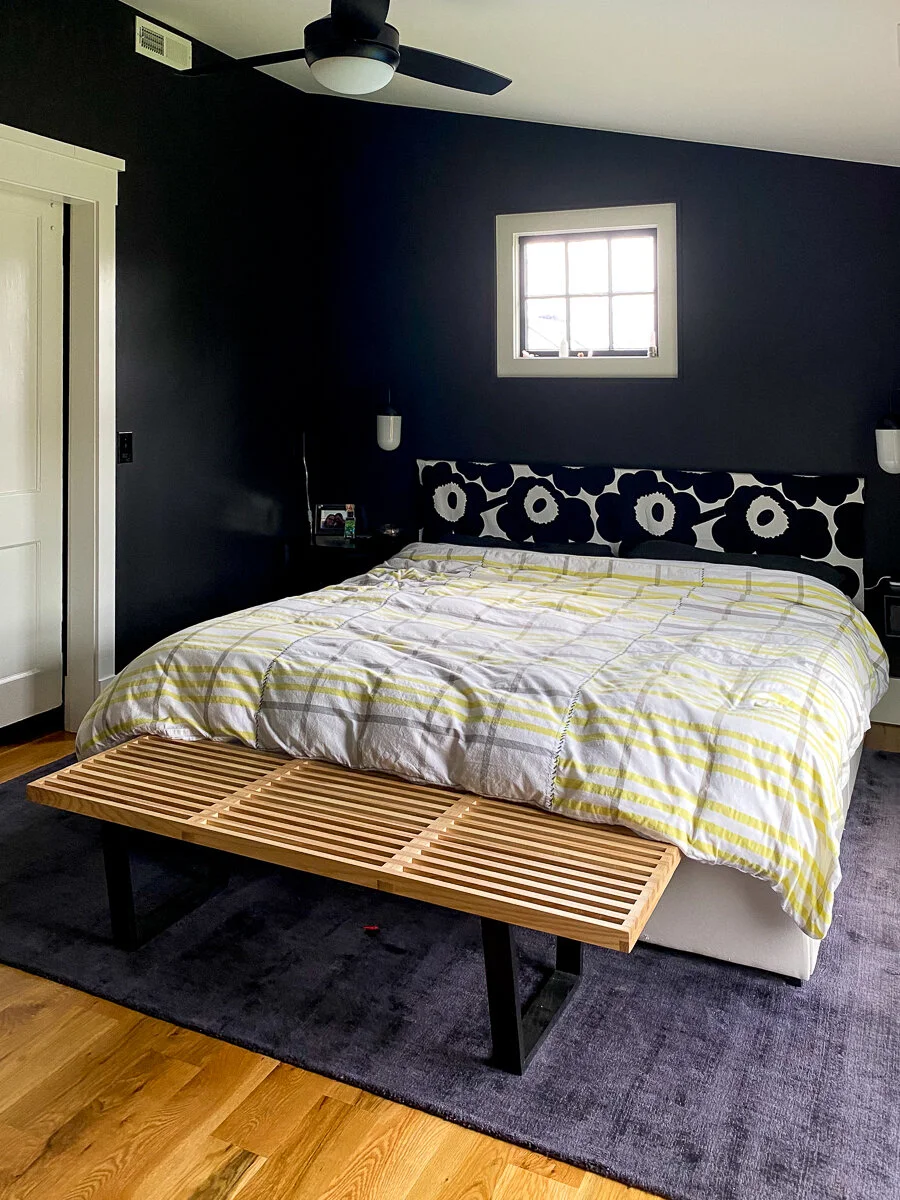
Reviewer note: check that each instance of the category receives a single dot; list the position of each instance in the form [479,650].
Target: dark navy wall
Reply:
[209,301]
[789,282]
[283,258]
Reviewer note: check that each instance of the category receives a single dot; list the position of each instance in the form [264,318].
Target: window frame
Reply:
[512,233]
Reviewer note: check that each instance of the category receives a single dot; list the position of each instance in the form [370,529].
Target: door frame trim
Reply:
[88,183]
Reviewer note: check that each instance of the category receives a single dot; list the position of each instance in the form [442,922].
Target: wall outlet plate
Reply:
[124,448]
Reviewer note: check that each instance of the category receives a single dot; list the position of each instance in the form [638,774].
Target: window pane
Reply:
[589,265]
[545,323]
[590,323]
[633,264]
[634,322]
[545,268]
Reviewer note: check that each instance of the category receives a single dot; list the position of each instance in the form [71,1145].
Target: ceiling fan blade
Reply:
[451,72]
[240,64]
[361,20]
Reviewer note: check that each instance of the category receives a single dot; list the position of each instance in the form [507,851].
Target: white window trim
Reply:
[512,226]
[88,182]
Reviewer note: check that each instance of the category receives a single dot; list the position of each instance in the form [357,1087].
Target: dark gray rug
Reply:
[679,1075]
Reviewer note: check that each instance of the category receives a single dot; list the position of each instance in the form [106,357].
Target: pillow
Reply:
[767,562]
[582,549]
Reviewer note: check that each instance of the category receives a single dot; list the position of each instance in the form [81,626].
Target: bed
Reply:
[708,909]
[714,706]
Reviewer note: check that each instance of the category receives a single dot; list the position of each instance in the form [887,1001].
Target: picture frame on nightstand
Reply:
[331,519]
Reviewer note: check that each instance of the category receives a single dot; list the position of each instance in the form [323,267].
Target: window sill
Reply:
[618,367]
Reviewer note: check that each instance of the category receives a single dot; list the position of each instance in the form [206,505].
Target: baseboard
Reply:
[32,727]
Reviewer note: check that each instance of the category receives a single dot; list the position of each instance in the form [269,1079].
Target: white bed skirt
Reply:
[723,913]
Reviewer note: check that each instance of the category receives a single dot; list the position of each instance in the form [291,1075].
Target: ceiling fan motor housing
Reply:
[323,41]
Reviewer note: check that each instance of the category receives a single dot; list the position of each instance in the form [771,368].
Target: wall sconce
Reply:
[387,427]
[887,441]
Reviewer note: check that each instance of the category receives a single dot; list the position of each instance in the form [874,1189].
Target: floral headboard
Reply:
[809,516]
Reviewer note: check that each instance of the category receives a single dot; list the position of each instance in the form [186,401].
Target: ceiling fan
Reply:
[354,51]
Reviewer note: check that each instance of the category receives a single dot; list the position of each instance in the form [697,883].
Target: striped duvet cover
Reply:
[714,707]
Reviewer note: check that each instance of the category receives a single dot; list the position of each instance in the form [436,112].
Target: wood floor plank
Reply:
[468,1168]
[213,1170]
[18,1151]
[285,1173]
[17,987]
[371,1152]
[54,1039]
[158,1150]
[86,1153]
[515,1183]
[19,760]
[55,1096]
[594,1187]
[273,1113]
[184,1044]
[551,1168]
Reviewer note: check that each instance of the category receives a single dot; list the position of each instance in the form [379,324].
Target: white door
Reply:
[31,472]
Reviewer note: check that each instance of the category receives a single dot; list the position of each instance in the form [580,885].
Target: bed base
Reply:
[732,917]
[505,863]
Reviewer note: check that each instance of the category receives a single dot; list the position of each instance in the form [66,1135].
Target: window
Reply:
[587,293]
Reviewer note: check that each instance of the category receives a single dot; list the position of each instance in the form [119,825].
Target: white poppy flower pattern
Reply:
[450,502]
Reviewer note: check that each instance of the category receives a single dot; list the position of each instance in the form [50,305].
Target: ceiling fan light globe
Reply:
[351,75]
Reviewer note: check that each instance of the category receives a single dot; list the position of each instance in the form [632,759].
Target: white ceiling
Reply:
[818,77]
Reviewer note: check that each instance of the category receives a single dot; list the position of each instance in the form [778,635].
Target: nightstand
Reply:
[885,731]
[333,561]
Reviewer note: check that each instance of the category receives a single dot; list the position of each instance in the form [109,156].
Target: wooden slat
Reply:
[557,831]
[462,851]
[351,812]
[533,886]
[351,821]
[348,788]
[325,846]
[306,832]
[513,842]
[377,803]
[595,883]
[153,783]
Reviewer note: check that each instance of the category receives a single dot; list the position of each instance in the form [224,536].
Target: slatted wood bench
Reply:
[508,864]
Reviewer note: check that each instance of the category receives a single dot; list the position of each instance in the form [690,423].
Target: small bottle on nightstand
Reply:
[350,524]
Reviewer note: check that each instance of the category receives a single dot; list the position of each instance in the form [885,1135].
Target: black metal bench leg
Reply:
[517,1033]
[501,972]
[128,930]
[569,956]
[119,887]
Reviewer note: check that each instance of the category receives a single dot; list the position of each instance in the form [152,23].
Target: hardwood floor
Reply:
[100,1103]
[17,760]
